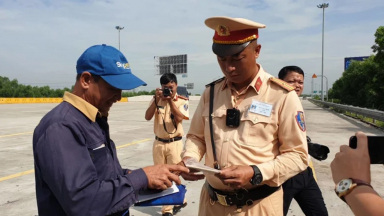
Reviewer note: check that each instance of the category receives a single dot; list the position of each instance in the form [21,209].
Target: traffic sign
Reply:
[314,76]
[348,60]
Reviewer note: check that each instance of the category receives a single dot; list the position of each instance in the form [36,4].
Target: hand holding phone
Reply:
[352,163]
[375,148]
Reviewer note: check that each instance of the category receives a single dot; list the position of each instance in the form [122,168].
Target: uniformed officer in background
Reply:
[256,124]
[303,187]
[169,109]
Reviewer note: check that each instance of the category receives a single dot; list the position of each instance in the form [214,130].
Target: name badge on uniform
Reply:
[260,108]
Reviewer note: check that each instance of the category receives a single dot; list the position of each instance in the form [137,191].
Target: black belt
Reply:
[240,197]
[168,140]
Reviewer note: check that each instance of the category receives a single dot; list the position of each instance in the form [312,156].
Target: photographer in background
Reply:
[169,110]
[303,187]
[352,176]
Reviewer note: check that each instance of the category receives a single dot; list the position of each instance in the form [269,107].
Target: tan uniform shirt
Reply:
[275,143]
[164,112]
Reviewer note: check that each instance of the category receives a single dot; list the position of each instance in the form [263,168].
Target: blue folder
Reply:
[171,199]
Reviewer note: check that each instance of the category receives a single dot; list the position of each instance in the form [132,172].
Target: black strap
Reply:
[215,163]
[172,117]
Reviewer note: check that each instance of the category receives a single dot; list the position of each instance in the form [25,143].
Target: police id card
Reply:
[260,108]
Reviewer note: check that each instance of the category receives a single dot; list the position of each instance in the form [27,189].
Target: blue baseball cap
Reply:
[110,64]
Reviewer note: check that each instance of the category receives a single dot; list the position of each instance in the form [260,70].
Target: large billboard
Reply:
[189,85]
[348,60]
[176,64]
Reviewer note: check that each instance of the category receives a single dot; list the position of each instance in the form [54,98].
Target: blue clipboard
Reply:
[171,199]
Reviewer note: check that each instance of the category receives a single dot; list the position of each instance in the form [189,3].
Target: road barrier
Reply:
[38,100]
[370,113]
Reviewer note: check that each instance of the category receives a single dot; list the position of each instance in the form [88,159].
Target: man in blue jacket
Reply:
[77,171]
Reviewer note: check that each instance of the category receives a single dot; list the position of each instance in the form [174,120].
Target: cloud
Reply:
[355,6]
[41,40]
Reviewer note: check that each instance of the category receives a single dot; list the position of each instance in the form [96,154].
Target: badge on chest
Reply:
[233,115]
[260,108]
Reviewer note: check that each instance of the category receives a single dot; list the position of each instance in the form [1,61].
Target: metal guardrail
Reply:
[370,113]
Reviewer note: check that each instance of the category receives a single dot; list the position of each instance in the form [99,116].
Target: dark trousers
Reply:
[304,189]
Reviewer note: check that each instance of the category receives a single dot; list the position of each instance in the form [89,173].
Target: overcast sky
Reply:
[41,40]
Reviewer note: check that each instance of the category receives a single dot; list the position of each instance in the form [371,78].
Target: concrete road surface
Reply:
[133,136]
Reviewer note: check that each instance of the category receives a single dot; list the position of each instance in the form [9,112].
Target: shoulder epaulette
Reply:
[182,97]
[282,84]
[215,82]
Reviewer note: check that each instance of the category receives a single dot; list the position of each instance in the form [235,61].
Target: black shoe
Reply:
[167,214]
[178,208]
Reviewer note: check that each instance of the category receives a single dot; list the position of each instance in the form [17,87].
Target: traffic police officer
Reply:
[256,124]
[169,109]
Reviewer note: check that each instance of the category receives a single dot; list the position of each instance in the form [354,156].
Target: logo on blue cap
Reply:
[110,64]
[125,66]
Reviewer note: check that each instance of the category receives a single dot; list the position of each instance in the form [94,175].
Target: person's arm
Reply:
[355,164]
[125,171]
[66,166]
[293,144]
[195,143]
[152,105]
[151,110]
[184,109]
[177,112]
[364,201]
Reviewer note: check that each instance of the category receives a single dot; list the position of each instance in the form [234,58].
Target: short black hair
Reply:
[287,69]
[167,78]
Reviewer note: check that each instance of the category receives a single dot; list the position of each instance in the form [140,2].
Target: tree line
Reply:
[12,89]
[362,83]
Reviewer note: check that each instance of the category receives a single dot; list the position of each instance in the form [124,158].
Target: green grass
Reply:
[377,123]
[366,119]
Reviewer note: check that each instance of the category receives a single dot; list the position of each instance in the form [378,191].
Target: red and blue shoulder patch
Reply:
[301,121]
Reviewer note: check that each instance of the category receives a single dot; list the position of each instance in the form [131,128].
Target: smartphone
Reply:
[375,148]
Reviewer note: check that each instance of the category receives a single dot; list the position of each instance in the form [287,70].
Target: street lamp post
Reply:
[312,88]
[326,86]
[322,6]
[119,28]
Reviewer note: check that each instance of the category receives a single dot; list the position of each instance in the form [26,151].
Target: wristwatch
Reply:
[345,186]
[257,177]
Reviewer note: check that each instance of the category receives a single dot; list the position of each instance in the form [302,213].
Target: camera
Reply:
[167,92]
[317,151]
[233,118]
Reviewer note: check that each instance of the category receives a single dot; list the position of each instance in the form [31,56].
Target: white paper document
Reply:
[151,194]
[198,166]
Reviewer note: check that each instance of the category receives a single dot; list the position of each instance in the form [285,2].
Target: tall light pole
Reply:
[322,6]
[119,28]
[326,85]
